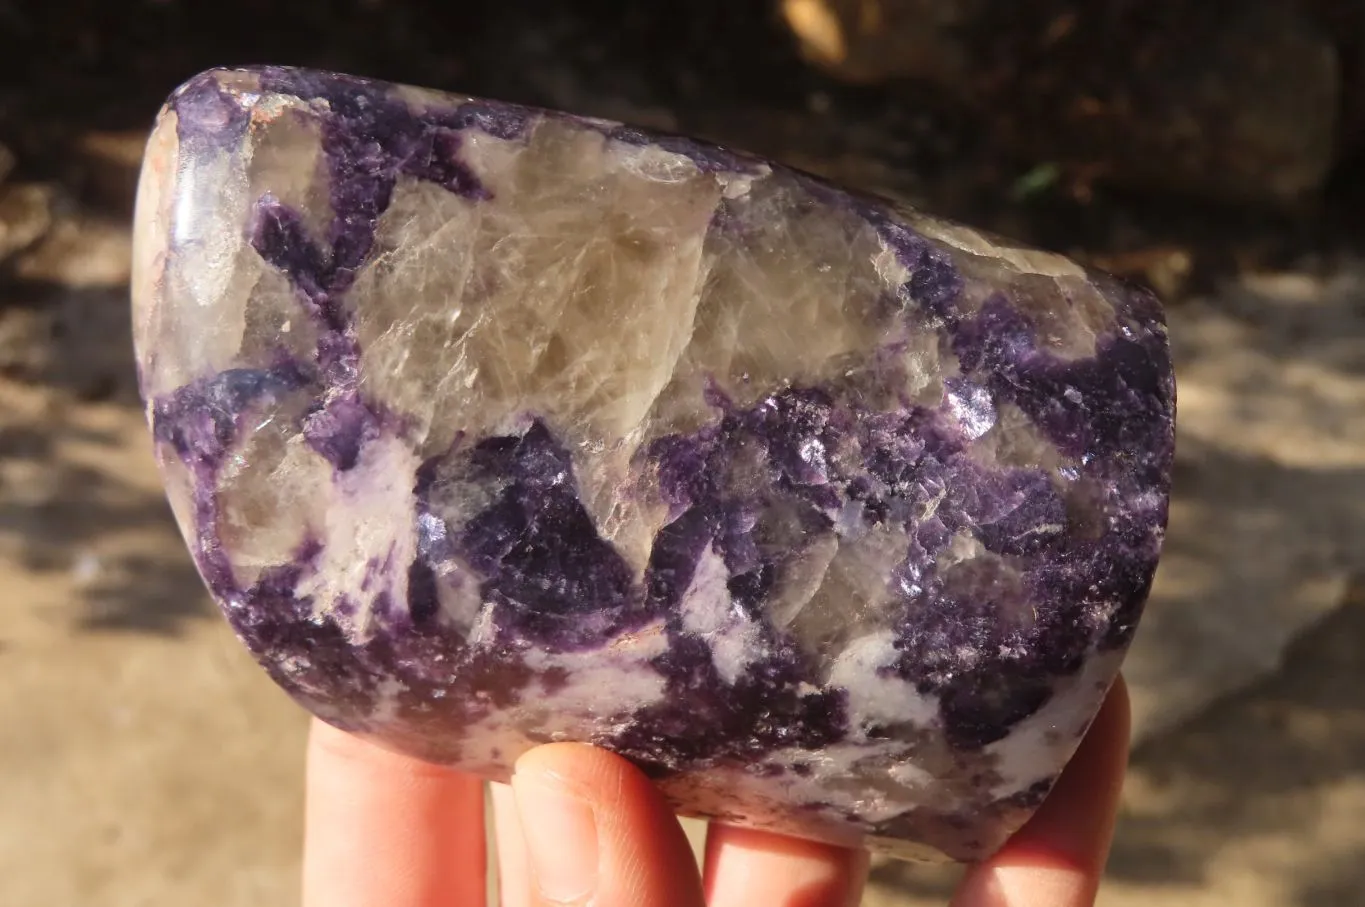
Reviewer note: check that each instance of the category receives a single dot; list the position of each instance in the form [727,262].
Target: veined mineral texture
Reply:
[489,426]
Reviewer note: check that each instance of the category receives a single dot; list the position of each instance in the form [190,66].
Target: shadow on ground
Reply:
[71,511]
[1231,773]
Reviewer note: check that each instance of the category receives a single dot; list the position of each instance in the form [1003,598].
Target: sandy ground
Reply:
[145,761]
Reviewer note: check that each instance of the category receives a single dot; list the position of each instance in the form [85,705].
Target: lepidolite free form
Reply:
[490,426]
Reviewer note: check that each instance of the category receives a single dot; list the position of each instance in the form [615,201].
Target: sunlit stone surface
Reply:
[490,426]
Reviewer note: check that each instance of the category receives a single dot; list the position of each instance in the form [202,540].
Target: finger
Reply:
[746,867]
[1058,858]
[514,868]
[381,828]
[598,832]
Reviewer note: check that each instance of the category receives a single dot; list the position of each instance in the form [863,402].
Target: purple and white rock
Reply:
[489,426]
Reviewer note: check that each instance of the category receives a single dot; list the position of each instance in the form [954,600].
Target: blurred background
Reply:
[1212,150]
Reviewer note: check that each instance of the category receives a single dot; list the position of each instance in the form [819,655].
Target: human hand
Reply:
[580,826]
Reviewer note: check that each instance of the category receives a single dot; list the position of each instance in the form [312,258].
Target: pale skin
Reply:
[579,826]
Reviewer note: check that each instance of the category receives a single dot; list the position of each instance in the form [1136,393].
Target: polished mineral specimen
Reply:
[488,426]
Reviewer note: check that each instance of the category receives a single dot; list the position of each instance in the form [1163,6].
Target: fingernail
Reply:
[561,836]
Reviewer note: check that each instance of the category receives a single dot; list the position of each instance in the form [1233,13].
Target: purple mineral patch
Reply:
[208,116]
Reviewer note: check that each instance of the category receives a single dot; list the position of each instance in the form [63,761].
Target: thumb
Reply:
[598,832]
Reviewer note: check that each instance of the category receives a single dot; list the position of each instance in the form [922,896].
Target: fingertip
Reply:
[597,830]
[560,827]
[1057,859]
[592,772]
[747,866]
[514,870]
[1076,821]
[381,827]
